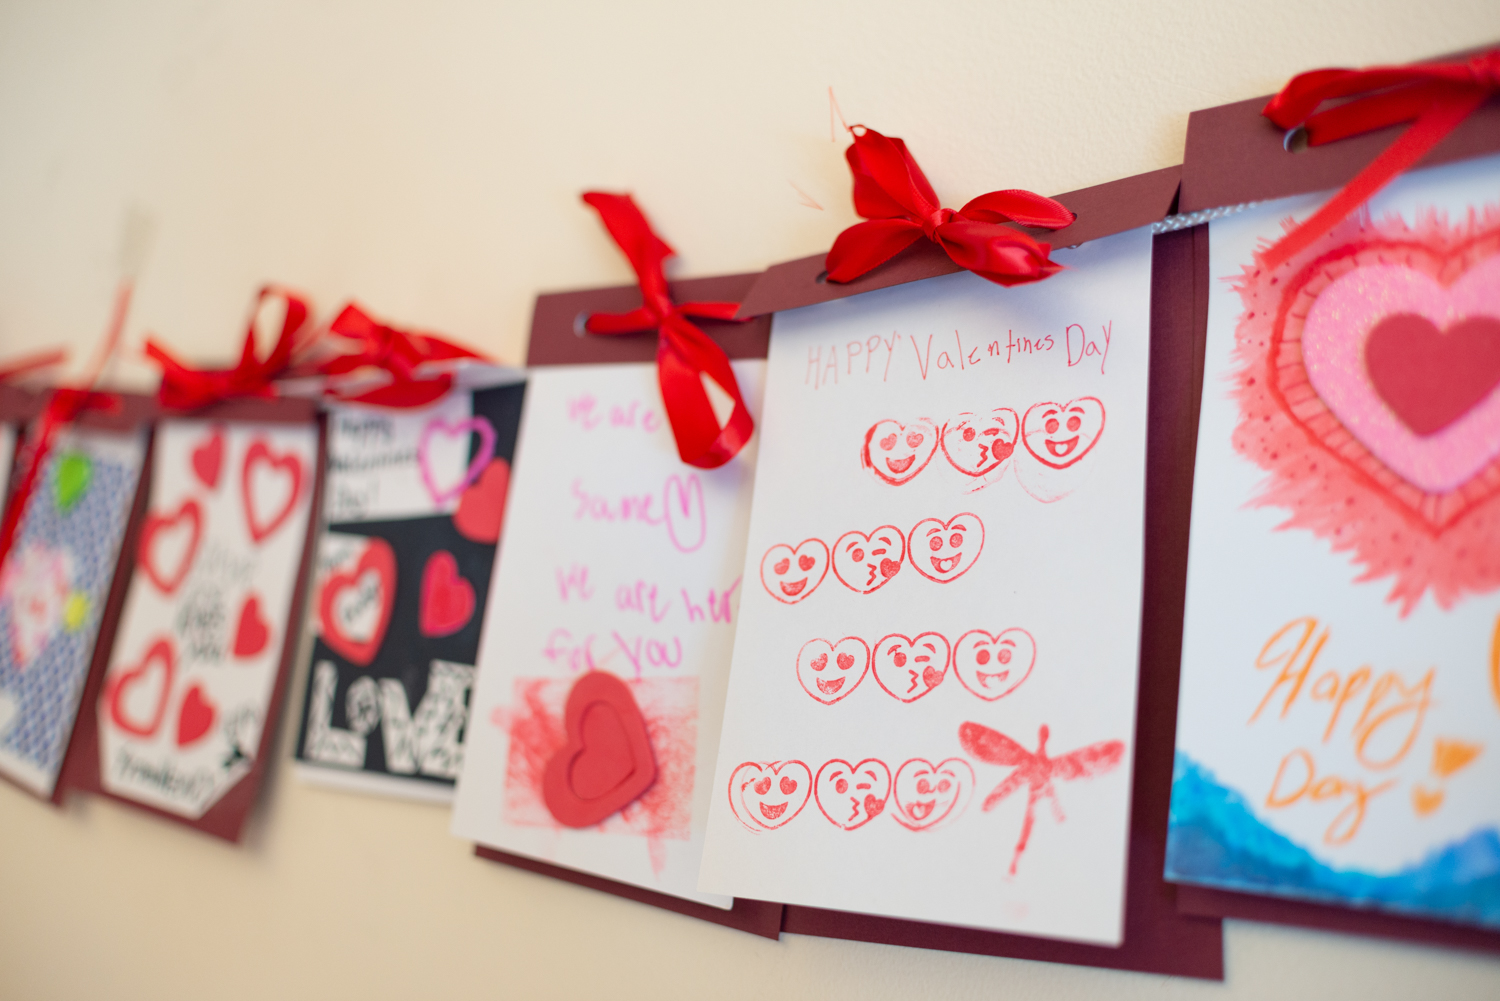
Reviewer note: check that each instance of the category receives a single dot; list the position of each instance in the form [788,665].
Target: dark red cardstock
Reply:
[226,818]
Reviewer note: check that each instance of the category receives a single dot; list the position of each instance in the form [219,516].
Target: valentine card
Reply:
[414,505]
[54,588]
[1340,701]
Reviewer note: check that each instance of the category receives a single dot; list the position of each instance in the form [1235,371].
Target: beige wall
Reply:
[426,159]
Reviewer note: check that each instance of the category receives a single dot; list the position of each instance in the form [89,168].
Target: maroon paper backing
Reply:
[226,818]
[758,917]
[1159,938]
[1102,210]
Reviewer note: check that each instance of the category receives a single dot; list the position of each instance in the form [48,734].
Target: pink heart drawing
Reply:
[441,495]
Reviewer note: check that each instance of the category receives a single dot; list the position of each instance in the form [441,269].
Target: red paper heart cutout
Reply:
[1432,377]
[161,652]
[606,762]
[259,454]
[252,632]
[168,582]
[196,717]
[377,559]
[481,509]
[447,598]
[208,458]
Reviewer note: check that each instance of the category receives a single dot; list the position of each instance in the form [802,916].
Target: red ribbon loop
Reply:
[186,388]
[399,353]
[685,355]
[900,207]
[1437,95]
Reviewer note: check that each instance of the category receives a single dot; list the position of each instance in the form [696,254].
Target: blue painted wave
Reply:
[1215,839]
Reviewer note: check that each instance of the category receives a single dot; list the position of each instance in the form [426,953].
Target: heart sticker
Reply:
[927,795]
[169,543]
[977,444]
[830,671]
[789,575]
[606,762]
[207,458]
[196,716]
[125,705]
[269,486]
[896,452]
[993,666]
[354,606]
[75,471]
[852,795]
[251,631]
[37,584]
[944,550]
[909,668]
[1059,434]
[447,599]
[442,494]
[765,796]
[481,509]
[863,562]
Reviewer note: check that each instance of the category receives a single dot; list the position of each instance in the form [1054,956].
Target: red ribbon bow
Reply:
[399,354]
[1438,95]
[185,388]
[893,194]
[684,354]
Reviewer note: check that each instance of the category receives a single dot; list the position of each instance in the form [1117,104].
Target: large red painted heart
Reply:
[161,658]
[976,444]
[606,762]
[910,667]
[196,717]
[944,550]
[251,631]
[481,509]
[169,544]
[354,606]
[927,795]
[447,601]
[830,671]
[207,459]
[865,562]
[852,795]
[896,452]
[767,795]
[993,666]
[269,486]
[790,575]
[1432,377]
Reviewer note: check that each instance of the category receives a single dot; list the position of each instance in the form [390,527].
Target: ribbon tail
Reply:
[685,355]
[866,245]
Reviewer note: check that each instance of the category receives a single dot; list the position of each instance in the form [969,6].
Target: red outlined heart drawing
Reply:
[441,494]
[944,550]
[978,444]
[767,795]
[169,544]
[864,562]
[196,716]
[606,762]
[790,575]
[251,631]
[1059,434]
[269,487]
[910,667]
[896,452]
[994,666]
[208,459]
[830,671]
[447,601]
[160,658]
[354,606]
[851,796]
[481,509]
[929,795]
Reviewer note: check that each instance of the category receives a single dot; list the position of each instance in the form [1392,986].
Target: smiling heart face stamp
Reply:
[993,666]
[896,452]
[765,796]
[1059,434]
[945,550]
[929,795]
[790,575]
[852,795]
[910,667]
[830,671]
[864,562]
[978,444]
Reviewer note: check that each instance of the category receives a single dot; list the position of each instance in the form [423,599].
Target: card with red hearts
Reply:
[1340,700]
[947,531]
[414,508]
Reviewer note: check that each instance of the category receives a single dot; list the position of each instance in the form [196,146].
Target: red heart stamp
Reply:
[196,716]
[251,632]
[852,795]
[447,601]
[269,486]
[207,459]
[607,762]
[830,671]
[863,562]
[354,606]
[481,509]
[169,544]
[896,452]
[976,444]
[994,666]
[928,795]
[944,550]
[124,707]
[1059,434]
[765,796]
[789,575]
[909,668]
